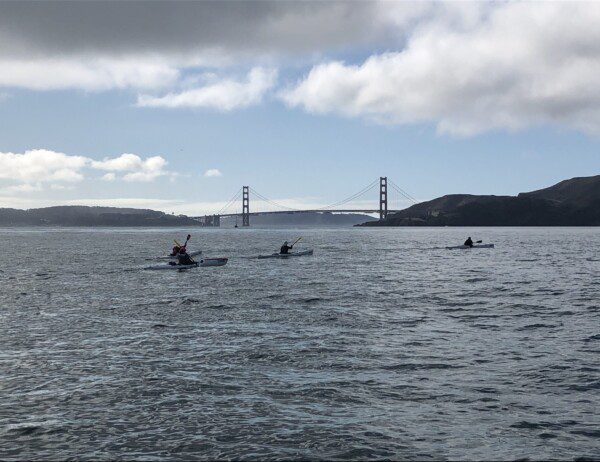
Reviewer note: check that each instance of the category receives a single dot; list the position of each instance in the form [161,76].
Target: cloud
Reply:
[22,188]
[213,172]
[97,46]
[465,67]
[186,29]
[509,67]
[224,95]
[87,73]
[108,177]
[35,169]
[136,168]
[41,165]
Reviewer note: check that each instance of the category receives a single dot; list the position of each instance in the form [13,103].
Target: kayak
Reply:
[174,257]
[201,263]
[475,246]
[286,255]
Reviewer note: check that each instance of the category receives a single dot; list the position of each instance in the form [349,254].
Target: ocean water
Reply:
[383,345]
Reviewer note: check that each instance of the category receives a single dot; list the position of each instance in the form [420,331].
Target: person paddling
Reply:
[469,242]
[285,248]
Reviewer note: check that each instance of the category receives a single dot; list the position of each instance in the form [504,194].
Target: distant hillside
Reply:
[574,202]
[90,216]
[301,219]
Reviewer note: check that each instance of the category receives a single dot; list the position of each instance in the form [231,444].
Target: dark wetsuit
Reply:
[469,242]
[285,249]
[184,259]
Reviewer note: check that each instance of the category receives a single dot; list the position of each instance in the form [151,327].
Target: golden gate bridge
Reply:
[242,197]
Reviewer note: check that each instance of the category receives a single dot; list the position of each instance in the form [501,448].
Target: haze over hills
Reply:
[91,216]
[574,202]
[114,216]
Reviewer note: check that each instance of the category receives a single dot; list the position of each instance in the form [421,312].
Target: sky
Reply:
[175,105]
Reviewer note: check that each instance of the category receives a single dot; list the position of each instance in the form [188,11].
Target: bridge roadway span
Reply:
[300,211]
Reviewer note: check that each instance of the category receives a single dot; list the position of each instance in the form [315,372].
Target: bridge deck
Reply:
[291,212]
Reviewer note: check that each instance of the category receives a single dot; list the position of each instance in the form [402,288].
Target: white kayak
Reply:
[200,263]
[287,255]
[475,246]
[174,257]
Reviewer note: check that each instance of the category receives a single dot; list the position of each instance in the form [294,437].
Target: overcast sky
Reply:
[176,105]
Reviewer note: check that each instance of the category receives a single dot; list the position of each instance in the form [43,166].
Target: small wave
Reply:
[526,425]
[585,387]
[30,428]
[537,326]
[312,300]
[589,433]
[416,367]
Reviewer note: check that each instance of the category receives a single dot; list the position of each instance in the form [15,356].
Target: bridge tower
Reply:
[383,198]
[245,206]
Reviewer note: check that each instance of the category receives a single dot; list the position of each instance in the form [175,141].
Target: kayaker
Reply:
[175,251]
[469,242]
[285,248]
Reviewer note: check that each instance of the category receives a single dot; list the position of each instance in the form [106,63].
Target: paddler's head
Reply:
[285,243]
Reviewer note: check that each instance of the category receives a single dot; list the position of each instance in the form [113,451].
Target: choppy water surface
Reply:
[378,346]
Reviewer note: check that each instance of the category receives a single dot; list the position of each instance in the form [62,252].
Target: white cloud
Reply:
[60,187]
[507,67]
[224,95]
[213,172]
[137,169]
[22,188]
[109,177]
[35,170]
[91,74]
[41,165]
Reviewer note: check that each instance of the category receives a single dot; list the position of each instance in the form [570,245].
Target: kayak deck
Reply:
[475,246]
[195,253]
[204,262]
[287,255]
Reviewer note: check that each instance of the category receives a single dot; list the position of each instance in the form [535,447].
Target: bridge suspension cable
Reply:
[403,193]
[352,197]
[269,201]
[235,197]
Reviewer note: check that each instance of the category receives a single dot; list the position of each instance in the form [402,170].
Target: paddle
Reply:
[189,236]
[295,242]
